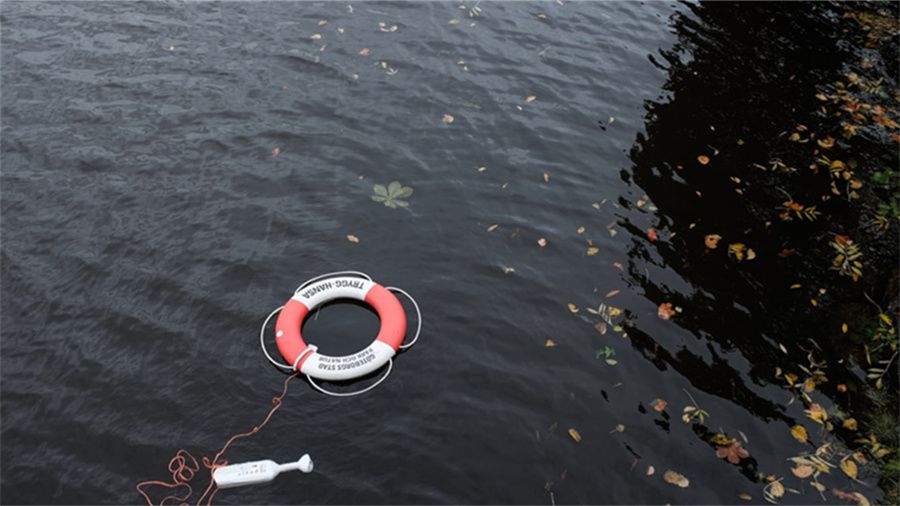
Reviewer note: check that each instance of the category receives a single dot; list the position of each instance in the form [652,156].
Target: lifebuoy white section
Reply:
[334,288]
[328,368]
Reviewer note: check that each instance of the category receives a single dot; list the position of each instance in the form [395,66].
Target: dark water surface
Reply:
[149,226]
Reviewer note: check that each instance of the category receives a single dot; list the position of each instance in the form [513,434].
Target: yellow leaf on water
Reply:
[795,286]
[482,169]
[676,479]
[322,22]
[531,98]
[593,250]
[844,328]
[549,343]
[814,302]
[850,424]
[575,435]
[352,238]
[580,230]
[542,242]
[650,470]
[453,22]
[799,433]
[492,227]
[573,308]
[546,177]
[849,468]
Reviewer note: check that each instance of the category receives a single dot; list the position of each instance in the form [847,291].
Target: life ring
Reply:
[305,359]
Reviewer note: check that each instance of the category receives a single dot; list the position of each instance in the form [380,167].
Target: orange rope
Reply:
[184,466]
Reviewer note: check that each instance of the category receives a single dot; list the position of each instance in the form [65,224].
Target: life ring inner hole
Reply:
[341,327]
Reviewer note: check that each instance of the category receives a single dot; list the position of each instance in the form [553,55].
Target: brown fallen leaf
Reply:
[665,311]
[712,240]
[734,452]
[803,471]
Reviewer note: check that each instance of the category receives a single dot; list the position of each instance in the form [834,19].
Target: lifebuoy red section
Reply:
[290,340]
[287,331]
[391,313]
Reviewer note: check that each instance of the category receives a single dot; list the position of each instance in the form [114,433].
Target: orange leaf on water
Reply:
[703,159]
[665,311]
[364,52]
[712,240]
[651,234]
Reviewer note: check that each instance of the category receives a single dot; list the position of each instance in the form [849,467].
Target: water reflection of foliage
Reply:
[738,79]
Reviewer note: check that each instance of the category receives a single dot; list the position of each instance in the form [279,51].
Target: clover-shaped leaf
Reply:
[391,195]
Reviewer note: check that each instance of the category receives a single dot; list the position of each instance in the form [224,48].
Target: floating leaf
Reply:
[734,452]
[575,435]
[658,404]
[580,230]
[799,433]
[651,234]
[776,489]
[611,293]
[712,240]
[703,159]
[817,413]
[650,470]
[803,470]
[849,468]
[573,308]
[364,52]
[542,242]
[850,424]
[447,119]
[352,238]
[549,343]
[531,98]
[275,152]
[492,227]
[676,479]
[665,311]
[601,327]
[593,250]
[746,497]
[507,270]
[390,196]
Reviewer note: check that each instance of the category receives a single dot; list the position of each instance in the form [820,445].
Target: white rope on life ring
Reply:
[327,288]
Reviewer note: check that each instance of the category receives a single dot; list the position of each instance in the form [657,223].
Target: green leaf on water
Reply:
[390,196]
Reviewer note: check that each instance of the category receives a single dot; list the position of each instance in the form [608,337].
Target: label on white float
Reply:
[331,289]
[328,368]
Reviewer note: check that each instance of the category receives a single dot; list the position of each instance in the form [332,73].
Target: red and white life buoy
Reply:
[307,360]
